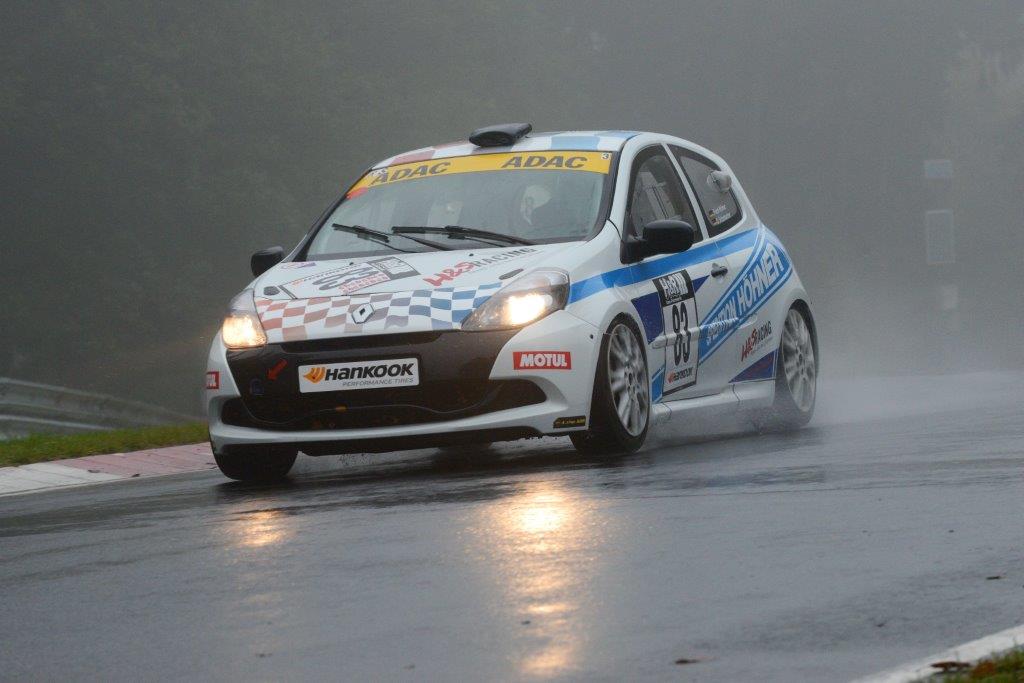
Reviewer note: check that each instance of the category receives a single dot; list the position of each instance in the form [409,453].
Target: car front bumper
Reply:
[474,387]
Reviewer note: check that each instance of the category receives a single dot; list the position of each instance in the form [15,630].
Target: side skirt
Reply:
[733,409]
[755,394]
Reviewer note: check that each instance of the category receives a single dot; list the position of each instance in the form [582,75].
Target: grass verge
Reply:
[1007,667]
[43,447]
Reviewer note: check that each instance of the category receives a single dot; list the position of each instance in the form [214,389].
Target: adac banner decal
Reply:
[594,162]
[764,272]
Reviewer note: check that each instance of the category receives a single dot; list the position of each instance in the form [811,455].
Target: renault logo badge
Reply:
[362,314]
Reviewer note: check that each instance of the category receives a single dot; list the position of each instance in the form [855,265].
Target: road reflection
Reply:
[543,546]
[258,529]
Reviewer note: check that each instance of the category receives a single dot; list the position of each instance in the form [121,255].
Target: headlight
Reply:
[242,328]
[524,301]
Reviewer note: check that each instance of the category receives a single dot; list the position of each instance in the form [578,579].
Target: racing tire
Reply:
[620,410]
[796,373]
[256,463]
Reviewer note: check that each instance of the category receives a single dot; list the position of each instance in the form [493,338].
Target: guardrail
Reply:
[29,408]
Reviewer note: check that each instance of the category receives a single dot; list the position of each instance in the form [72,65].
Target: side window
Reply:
[656,193]
[720,209]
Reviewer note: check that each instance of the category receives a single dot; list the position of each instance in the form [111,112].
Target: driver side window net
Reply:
[656,194]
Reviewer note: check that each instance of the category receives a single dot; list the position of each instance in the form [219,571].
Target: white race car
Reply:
[586,284]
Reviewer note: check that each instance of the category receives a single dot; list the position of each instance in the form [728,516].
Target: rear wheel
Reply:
[621,405]
[256,463]
[796,373]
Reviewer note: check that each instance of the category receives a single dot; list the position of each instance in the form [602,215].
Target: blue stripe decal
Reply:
[767,269]
[648,307]
[657,385]
[764,368]
[630,275]
[578,142]
[593,141]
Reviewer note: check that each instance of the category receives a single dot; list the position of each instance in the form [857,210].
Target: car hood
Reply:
[399,272]
[388,293]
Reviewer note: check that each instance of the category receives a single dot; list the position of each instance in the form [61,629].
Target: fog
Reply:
[150,148]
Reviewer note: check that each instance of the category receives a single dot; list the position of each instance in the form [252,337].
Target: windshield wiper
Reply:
[385,237]
[459,232]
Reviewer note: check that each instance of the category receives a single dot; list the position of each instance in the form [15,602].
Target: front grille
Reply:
[372,408]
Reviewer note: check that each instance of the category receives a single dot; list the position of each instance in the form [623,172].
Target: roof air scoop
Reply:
[502,135]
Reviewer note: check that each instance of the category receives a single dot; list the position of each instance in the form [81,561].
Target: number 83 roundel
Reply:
[679,307]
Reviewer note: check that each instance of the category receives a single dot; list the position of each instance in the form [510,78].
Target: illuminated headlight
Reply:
[242,328]
[524,301]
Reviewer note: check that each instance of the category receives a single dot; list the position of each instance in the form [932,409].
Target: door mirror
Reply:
[265,259]
[721,181]
[659,237]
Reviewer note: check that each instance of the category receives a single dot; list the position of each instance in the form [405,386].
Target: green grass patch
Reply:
[1007,667]
[43,447]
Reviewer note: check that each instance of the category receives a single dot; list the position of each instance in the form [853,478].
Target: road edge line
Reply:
[967,652]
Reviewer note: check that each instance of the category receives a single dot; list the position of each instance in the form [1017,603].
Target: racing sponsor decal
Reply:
[373,374]
[719,214]
[756,339]
[298,264]
[463,267]
[764,273]
[213,379]
[358,276]
[542,360]
[679,308]
[593,162]
[645,271]
[574,421]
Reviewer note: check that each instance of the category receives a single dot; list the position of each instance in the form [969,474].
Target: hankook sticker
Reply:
[373,374]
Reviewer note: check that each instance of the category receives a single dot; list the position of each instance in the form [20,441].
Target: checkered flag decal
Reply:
[323,317]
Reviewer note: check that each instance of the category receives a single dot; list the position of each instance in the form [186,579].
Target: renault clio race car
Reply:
[586,284]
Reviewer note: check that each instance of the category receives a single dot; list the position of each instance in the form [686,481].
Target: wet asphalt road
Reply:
[858,543]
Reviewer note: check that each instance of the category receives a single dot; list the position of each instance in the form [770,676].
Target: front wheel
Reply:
[256,463]
[621,404]
[796,373]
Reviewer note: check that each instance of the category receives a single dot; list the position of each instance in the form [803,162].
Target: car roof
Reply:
[581,140]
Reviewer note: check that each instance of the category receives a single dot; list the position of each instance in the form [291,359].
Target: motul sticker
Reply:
[372,374]
[542,360]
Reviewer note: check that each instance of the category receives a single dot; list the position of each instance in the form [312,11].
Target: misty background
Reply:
[149,148]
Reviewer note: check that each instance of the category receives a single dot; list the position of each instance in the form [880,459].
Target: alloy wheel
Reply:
[627,378]
[798,361]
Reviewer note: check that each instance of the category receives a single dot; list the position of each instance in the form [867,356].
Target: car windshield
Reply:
[546,196]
